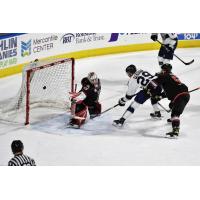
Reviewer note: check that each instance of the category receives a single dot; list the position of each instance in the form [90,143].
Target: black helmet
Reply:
[167,67]
[85,81]
[131,69]
[17,146]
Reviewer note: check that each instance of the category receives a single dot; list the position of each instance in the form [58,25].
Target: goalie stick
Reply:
[186,63]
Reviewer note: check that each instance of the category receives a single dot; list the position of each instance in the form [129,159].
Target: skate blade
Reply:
[116,125]
[72,126]
[157,118]
[171,137]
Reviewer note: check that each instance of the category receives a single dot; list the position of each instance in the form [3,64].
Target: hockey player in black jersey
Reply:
[166,52]
[91,87]
[176,92]
[19,158]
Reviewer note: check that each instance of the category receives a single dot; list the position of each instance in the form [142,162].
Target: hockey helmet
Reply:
[85,81]
[17,146]
[167,67]
[130,70]
[92,77]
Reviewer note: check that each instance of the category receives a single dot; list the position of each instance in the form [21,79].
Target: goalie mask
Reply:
[92,77]
[130,70]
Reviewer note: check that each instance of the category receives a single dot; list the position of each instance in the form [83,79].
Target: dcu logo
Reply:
[68,38]
[26,48]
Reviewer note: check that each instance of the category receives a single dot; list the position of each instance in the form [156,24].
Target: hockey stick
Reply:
[186,63]
[105,111]
[165,109]
[111,108]
[198,88]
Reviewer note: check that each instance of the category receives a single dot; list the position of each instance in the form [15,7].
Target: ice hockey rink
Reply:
[140,142]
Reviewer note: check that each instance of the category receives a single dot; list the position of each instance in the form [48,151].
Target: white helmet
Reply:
[92,77]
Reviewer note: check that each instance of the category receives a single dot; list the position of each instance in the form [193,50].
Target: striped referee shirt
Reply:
[21,160]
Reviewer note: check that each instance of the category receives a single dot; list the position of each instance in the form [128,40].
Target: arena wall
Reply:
[18,49]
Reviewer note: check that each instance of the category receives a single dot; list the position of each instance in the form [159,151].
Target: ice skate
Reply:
[174,133]
[156,115]
[119,122]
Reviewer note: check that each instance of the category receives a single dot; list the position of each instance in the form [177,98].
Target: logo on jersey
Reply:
[25,48]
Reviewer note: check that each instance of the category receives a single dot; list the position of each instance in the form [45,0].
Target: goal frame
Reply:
[28,82]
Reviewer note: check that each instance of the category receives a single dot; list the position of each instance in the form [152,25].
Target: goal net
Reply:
[45,84]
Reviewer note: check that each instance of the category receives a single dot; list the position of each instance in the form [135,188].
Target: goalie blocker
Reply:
[91,87]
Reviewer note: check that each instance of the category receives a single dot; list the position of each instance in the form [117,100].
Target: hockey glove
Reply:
[157,97]
[122,102]
[160,96]
[154,37]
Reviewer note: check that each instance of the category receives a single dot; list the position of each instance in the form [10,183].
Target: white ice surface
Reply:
[139,142]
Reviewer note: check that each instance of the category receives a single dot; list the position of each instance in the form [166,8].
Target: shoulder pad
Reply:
[137,73]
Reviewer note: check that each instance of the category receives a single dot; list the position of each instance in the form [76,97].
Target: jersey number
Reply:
[144,79]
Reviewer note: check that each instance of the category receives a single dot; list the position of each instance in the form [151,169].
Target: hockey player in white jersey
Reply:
[145,81]
[166,52]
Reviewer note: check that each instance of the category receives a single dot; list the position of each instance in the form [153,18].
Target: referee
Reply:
[19,158]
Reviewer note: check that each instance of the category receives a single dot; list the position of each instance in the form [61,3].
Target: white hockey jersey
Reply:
[168,38]
[140,79]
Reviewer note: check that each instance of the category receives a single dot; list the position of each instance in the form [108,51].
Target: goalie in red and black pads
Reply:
[91,87]
[176,92]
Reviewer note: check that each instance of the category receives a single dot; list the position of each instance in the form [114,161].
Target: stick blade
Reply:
[189,63]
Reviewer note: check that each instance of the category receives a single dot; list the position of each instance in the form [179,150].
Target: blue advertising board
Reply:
[189,36]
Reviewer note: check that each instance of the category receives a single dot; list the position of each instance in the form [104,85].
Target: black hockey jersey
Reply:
[91,91]
[171,85]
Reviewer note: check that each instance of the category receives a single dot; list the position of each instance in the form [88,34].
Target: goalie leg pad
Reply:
[95,109]
[80,113]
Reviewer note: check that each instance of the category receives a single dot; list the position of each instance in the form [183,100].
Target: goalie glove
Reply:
[122,101]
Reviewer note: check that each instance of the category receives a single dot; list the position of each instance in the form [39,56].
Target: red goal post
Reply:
[46,66]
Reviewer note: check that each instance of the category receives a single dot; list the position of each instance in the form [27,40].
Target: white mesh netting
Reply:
[50,84]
